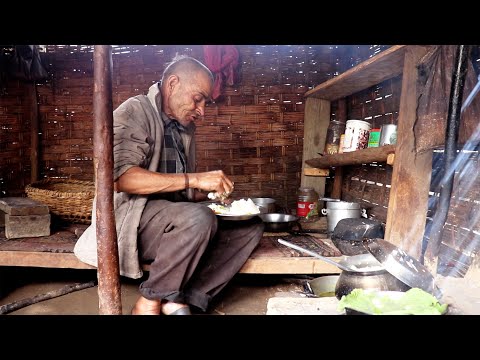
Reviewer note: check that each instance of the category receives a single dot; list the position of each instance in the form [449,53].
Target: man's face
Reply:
[188,97]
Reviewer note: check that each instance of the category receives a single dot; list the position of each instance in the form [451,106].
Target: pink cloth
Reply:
[222,60]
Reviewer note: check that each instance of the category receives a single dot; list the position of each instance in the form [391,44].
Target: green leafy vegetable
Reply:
[412,302]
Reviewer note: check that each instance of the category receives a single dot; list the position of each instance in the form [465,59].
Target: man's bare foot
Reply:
[171,308]
[144,306]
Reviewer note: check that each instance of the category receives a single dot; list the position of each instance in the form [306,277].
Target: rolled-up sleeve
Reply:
[131,142]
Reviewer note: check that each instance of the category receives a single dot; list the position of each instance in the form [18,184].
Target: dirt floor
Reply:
[247,294]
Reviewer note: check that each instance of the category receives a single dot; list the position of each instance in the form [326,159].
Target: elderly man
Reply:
[192,254]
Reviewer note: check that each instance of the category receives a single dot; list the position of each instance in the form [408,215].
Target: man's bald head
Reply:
[185,67]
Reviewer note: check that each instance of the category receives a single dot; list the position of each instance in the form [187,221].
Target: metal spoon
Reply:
[311,253]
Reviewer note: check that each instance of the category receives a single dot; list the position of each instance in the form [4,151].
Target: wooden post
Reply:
[34,130]
[317,118]
[107,248]
[337,182]
[408,203]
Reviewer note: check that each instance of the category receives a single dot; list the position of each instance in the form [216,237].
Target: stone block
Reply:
[22,206]
[27,226]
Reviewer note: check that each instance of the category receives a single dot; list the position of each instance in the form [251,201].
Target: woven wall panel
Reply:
[369,186]
[254,132]
[15,114]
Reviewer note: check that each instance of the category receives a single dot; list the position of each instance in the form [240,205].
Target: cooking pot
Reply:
[276,222]
[349,233]
[338,210]
[359,271]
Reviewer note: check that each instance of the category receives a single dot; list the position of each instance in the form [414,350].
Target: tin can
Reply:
[307,201]
[388,134]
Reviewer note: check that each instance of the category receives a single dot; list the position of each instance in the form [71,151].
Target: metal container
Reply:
[276,222]
[388,134]
[374,280]
[265,205]
[338,210]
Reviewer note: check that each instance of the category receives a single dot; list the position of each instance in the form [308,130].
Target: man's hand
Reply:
[215,181]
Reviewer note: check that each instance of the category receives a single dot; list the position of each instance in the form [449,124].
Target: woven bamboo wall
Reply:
[370,184]
[254,133]
[15,116]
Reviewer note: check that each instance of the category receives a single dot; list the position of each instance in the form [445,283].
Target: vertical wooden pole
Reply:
[337,182]
[34,130]
[107,250]
[408,203]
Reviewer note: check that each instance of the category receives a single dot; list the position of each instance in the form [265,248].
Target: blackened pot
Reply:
[349,233]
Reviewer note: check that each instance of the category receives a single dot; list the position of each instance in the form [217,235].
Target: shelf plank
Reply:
[368,155]
[316,172]
[387,64]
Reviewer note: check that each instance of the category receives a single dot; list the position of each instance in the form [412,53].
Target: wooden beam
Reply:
[358,157]
[317,118]
[385,65]
[316,172]
[407,207]
[300,265]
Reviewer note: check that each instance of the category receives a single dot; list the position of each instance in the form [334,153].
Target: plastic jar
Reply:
[307,201]
[334,131]
[356,135]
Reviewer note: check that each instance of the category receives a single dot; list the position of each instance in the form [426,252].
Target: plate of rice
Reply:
[242,209]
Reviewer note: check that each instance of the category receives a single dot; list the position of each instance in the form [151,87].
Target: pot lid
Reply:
[401,265]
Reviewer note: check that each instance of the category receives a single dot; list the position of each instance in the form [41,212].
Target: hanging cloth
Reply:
[223,61]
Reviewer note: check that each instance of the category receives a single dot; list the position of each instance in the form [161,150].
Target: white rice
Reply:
[237,207]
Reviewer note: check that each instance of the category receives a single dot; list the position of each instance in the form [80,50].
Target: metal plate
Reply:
[236,217]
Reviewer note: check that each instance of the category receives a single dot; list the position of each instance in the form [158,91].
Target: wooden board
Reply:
[385,65]
[316,172]
[317,118]
[56,251]
[408,203]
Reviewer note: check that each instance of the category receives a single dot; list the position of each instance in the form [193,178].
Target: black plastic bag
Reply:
[26,64]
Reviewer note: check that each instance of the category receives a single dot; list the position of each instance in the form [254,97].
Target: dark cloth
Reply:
[193,255]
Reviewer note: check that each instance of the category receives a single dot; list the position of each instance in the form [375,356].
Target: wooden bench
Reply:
[270,257]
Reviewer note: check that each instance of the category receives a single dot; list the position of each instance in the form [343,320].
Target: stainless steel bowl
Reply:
[265,205]
[276,222]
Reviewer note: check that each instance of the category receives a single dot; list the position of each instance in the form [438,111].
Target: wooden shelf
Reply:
[376,154]
[381,67]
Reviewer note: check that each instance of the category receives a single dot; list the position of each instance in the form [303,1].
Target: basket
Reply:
[70,200]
